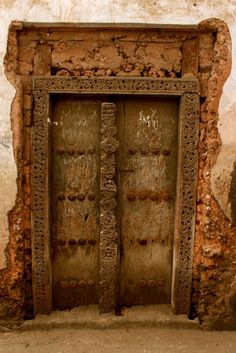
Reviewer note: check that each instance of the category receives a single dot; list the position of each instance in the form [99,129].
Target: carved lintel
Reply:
[116,85]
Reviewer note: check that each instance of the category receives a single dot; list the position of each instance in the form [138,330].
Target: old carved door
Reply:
[146,161]
[146,177]
[75,200]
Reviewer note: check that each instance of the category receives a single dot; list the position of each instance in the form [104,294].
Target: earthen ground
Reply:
[123,340]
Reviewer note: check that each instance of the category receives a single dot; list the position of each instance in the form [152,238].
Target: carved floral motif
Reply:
[187,89]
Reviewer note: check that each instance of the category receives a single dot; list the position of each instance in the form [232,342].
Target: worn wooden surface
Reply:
[147,162]
[75,200]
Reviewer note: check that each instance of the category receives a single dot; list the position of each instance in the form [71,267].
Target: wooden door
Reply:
[146,165]
[146,178]
[75,200]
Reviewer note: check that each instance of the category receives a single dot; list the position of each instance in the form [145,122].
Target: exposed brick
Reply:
[204,54]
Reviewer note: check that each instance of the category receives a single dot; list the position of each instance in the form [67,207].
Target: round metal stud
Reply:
[71,197]
[132,151]
[61,151]
[61,242]
[71,151]
[82,283]
[131,196]
[63,284]
[165,194]
[142,283]
[161,283]
[72,242]
[154,196]
[73,283]
[142,241]
[91,283]
[155,150]
[166,152]
[92,241]
[80,197]
[61,196]
[152,283]
[145,150]
[143,195]
[81,151]
[91,196]
[81,241]
[91,150]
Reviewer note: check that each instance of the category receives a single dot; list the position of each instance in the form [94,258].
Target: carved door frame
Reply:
[188,92]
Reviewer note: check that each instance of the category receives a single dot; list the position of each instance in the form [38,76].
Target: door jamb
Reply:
[188,92]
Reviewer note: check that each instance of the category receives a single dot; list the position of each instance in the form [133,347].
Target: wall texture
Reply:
[219,180]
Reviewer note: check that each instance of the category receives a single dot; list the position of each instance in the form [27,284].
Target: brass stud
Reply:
[165,194]
[91,150]
[161,283]
[63,284]
[81,241]
[91,283]
[81,151]
[145,150]
[61,151]
[155,150]
[82,283]
[142,241]
[143,195]
[73,283]
[72,242]
[142,283]
[61,242]
[166,152]
[91,196]
[152,283]
[71,197]
[80,197]
[131,196]
[154,196]
[71,151]
[61,196]
[132,151]
[92,241]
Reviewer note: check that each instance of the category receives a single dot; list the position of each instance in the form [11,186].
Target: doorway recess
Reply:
[111,191]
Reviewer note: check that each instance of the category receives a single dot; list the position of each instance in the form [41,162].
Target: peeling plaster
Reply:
[155,11]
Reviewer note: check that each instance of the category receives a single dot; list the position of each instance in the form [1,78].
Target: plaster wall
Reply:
[115,11]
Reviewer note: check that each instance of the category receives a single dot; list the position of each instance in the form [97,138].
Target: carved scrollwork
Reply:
[186,200]
[108,233]
[187,90]
[116,85]
[40,211]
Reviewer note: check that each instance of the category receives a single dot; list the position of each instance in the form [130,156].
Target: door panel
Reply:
[146,164]
[146,178]
[75,200]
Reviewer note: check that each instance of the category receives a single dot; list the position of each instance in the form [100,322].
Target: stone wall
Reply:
[214,286]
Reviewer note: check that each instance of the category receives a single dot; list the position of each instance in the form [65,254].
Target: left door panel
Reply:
[74,200]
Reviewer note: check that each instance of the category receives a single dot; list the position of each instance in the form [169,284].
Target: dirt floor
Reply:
[122,340]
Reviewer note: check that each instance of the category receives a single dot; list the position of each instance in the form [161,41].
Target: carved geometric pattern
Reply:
[40,206]
[186,201]
[108,190]
[187,90]
[117,85]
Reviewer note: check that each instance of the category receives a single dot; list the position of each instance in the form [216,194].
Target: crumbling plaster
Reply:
[115,11]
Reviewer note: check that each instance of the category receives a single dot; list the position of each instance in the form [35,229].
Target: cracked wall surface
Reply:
[214,262]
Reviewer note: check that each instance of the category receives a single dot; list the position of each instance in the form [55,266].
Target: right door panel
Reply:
[146,178]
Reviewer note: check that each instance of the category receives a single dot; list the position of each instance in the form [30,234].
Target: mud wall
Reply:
[45,51]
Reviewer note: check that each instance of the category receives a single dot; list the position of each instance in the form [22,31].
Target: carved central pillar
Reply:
[108,190]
